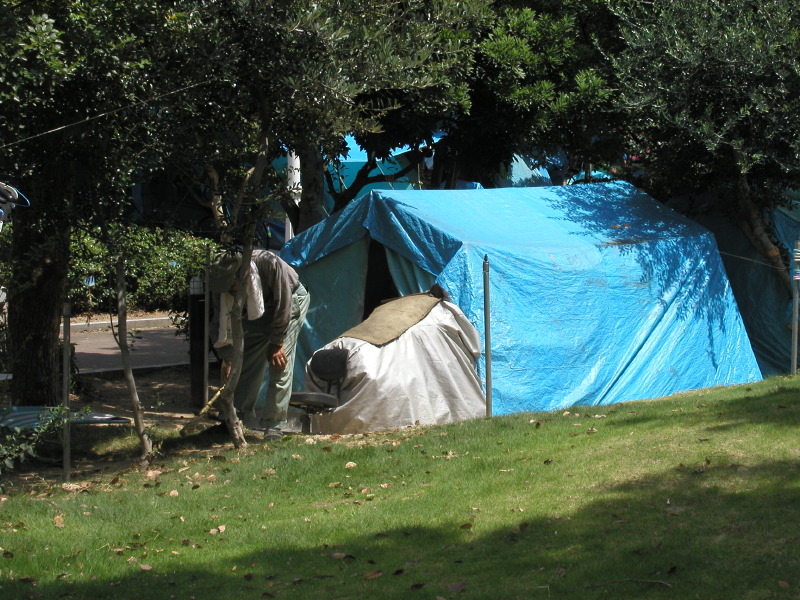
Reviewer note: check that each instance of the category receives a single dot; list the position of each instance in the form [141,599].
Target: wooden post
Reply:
[206,324]
[67,360]
[197,343]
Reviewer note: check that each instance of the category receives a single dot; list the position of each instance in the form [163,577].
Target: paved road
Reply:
[155,345]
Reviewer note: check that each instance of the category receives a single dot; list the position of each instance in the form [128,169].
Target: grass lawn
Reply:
[692,496]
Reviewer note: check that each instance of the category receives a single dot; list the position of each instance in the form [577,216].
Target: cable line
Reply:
[105,114]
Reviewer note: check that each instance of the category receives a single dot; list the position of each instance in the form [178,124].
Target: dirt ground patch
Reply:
[164,393]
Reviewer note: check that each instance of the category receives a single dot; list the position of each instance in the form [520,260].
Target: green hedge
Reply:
[159,264]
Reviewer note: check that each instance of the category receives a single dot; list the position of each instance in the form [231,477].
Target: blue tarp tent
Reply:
[764,302]
[599,294]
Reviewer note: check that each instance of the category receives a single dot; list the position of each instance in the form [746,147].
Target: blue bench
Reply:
[30,417]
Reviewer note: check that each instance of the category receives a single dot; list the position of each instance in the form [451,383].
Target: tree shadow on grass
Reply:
[713,531]
[754,405]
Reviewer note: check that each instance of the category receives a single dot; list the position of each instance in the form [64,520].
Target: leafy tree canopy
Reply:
[539,84]
[712,91]
[73,131]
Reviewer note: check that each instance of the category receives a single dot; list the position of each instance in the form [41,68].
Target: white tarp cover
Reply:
[428,376]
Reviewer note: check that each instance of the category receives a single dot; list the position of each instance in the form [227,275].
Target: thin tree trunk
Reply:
[145,440]
[312,178]
[229,416]
[751,222]
[363,179]
[247,191]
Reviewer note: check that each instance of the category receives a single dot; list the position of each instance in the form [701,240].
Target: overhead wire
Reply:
[754,260]
[105,114]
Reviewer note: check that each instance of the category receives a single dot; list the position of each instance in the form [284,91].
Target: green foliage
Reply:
[539,85]
[300,74]
[19,445]
[713,91]
[77,130]
[159,265]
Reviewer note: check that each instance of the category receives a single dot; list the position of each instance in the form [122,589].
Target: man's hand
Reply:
[277,358]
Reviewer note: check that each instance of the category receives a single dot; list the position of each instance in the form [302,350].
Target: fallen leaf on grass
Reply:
[457,587]
[340,555]
[58,521]
[373,574]
[76,487]
[145,567]
[350,465]
[784,584]
[466,526]
[173,493]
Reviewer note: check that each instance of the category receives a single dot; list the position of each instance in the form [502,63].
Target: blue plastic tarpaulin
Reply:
[599,293]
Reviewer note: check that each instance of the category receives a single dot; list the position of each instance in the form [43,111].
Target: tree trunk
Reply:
[363,179]
[36,293]
[226,404]
[145,440]
[248,192]
[751,222]
[312,179]
[231,420]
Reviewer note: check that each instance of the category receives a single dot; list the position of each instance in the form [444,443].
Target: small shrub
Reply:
[18,445]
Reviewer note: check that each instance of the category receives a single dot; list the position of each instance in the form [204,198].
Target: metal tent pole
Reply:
[795,277]
[487,335]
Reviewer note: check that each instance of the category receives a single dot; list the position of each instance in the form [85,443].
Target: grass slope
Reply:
[693,496]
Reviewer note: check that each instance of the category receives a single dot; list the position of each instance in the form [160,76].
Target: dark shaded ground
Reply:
[165,395]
